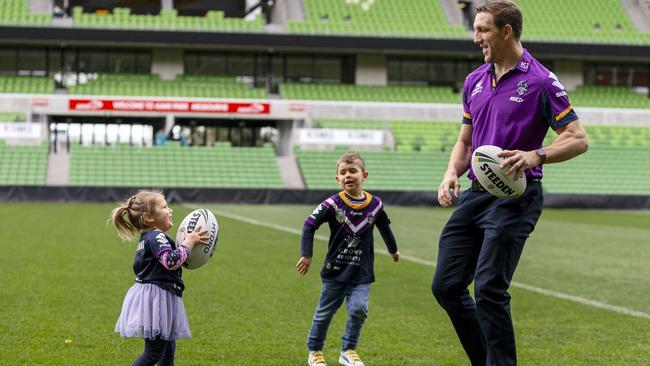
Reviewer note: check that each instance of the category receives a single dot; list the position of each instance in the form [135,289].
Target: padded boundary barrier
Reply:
[289,196]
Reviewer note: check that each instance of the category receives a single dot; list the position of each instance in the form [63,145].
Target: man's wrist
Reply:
[541,154]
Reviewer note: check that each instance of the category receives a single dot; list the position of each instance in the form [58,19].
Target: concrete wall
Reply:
[570,73]
[371,70]
[167,62]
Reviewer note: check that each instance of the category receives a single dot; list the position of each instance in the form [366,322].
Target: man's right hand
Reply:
[450,184]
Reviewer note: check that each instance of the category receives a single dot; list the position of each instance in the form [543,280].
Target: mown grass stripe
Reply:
[539,290]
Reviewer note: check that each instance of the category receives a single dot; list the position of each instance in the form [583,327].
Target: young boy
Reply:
[348,269]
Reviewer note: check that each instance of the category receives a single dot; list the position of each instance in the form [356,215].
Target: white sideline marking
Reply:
[539,290]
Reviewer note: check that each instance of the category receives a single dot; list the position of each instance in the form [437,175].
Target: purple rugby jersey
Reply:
[350,254]
[516,112]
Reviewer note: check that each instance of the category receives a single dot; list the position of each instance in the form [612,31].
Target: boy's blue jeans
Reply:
[331,297]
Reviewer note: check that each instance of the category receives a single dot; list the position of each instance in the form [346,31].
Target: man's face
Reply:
[489,37]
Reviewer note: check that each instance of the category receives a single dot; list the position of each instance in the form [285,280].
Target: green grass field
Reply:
[65,274]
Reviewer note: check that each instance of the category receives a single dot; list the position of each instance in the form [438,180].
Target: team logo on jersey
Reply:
[522,87]
[340,215]
[477,88]
[352,241]
[524,65]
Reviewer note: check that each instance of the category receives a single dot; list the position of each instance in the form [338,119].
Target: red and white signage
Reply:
[179,106]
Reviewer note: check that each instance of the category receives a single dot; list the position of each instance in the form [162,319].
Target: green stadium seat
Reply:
[174,166]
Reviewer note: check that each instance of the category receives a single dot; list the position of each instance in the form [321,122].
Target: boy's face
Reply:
[351,176]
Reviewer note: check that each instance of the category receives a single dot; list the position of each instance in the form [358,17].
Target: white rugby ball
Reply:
[485,165]
[201,253]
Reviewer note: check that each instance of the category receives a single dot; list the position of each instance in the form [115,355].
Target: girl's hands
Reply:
[198,236]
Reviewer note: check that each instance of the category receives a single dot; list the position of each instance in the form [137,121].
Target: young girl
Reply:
[153,308]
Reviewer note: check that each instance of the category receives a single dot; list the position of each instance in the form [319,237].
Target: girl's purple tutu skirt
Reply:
[149,311]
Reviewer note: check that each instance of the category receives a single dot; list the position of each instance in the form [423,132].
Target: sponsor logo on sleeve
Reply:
[558,85]
[478,88]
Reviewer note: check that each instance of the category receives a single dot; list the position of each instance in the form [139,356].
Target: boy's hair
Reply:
[504,12]
[128,217]
[349,158]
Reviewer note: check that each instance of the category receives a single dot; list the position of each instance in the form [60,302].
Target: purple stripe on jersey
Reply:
[310,222]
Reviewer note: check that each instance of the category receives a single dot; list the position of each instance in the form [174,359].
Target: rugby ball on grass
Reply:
[201,253]
[485,165]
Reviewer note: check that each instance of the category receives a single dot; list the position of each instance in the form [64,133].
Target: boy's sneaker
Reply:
[350,358]
[316,358]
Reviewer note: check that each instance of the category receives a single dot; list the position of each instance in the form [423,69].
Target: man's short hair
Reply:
[504,12]
[351,157]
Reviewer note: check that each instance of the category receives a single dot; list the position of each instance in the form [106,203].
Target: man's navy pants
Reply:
[482,242]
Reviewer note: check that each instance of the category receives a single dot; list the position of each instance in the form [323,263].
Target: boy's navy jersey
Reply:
[148,268]
[350,252]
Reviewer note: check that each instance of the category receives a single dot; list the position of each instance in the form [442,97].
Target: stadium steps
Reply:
[288,167]
[58,168]
[294,9]
[639,15]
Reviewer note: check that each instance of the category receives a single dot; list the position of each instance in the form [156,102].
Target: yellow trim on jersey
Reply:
[563,113]
[356,206]
[467,115]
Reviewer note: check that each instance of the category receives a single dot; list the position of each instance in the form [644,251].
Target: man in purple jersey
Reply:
[510,102]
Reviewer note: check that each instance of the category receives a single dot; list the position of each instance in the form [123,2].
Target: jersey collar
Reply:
[356,206]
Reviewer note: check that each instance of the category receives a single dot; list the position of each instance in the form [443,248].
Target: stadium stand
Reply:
[23,164]
[174,166]
[12,116]
[16,12]
[389,170]
[342,92]
[151,85]
[609,97]
[413,18]
[27,84]
[168,19]
[615,152]
[421,148]
[579,21]
[408,135]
